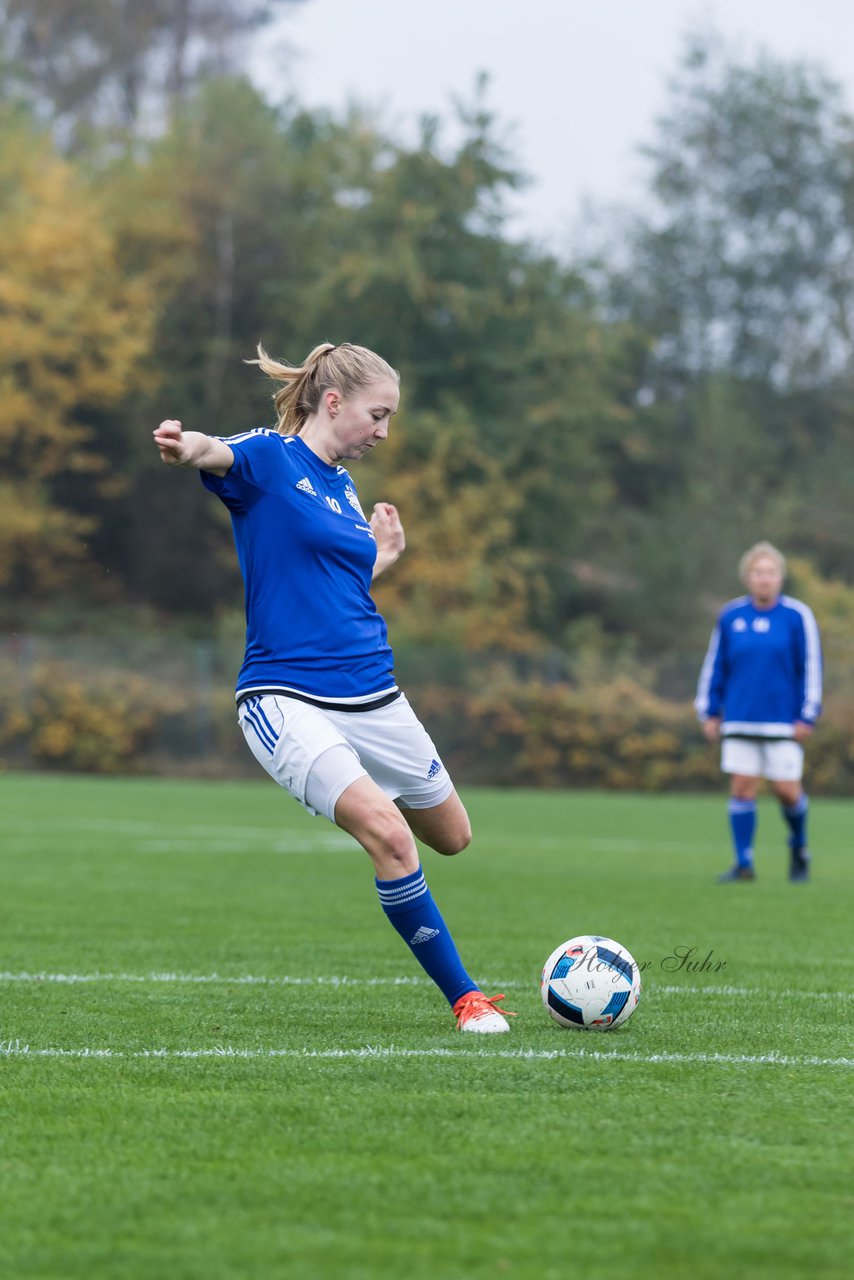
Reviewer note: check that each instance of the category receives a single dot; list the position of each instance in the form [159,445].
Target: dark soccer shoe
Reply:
[799,865]
[737,873]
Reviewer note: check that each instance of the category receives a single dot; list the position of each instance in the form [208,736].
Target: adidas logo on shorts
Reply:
[435,767]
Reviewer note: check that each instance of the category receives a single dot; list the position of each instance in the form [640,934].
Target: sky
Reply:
[575,84]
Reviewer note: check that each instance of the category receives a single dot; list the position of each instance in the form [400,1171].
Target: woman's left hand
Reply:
[388,531]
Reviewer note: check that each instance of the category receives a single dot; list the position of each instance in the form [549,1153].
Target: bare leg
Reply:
[744,786]
[788,793]
[445,827]
[366,812]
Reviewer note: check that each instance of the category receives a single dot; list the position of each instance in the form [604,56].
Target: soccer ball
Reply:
[590,983]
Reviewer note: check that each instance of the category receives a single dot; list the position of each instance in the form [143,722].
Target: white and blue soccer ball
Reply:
[591,983]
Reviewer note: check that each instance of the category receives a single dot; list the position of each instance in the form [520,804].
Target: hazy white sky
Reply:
[577,82]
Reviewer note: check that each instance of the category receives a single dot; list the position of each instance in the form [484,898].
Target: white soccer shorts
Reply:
[778,760]
[389,744]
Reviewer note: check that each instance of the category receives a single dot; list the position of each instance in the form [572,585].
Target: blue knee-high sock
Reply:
[742,821]
[410,908]
[796,817]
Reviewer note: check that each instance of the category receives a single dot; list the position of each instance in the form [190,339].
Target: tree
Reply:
[821,505]
[73,331]
[122,63]
[737,280]
[466,583]
[744,265]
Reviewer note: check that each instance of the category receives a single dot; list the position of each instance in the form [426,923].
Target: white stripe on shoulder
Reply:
[247,435]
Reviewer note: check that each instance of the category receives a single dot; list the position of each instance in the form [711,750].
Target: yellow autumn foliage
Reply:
[467,581]
[73,332]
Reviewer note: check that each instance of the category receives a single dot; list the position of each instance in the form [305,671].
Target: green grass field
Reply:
[217,1059]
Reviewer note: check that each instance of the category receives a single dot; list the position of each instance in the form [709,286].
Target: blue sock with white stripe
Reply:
[410,908]
[742,821]
[796,817]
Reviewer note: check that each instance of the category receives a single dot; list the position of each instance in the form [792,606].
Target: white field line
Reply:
[15,1049]
[342,980]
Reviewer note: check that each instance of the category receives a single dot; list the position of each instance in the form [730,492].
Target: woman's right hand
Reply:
[171,445]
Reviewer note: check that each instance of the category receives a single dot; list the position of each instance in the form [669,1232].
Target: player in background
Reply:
[760,693]
[316,695]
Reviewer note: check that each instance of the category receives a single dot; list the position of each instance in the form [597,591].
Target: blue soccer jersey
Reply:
[307,554]
[763,669]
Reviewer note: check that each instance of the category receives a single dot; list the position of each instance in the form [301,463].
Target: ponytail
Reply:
[346,368]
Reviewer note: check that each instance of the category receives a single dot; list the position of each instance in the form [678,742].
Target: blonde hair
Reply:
[346,368]
[746,562]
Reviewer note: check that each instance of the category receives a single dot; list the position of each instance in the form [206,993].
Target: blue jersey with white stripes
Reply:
[763,669]
[307,556]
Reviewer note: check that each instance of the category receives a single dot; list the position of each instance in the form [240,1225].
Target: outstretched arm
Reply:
[181,448]
[388,532]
